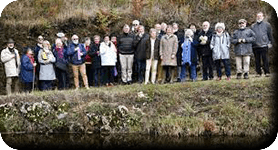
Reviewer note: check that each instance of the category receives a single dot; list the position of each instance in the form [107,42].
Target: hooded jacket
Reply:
[220,46]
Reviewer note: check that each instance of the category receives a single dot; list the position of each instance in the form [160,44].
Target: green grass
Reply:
[181,109]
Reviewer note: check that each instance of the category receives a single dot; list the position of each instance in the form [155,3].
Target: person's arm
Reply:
[26,64]
[6,56]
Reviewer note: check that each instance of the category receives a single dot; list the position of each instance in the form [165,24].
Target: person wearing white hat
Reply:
[134,27]
[220,44]
[243,39]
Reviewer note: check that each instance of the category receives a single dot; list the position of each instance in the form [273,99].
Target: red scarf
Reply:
[31,57]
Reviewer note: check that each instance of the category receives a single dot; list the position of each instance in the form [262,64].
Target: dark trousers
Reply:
[63,78]
[261,54]
[89,73]
[108,76]
[168,74]
[46,85]
[27,87]
[141,66]
[207,67]
[97,72]
[227,66]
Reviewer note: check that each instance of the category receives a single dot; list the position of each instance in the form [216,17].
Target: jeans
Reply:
[63,79]
[261,54]
[227,67]
[97,76]
[141,66]
[46,85]
[193,73]
[108,76]
[170,70]
[89,73]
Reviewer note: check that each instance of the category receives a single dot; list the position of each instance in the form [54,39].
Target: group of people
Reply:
[135,56]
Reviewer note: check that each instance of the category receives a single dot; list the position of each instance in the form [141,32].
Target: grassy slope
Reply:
[238,107]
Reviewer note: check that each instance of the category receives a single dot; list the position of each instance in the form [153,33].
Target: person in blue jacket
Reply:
[77,53]
[27,69]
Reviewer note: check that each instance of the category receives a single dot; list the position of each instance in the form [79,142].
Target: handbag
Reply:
[62,66]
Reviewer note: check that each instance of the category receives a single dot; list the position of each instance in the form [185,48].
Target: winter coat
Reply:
[263,34]
[205,50]
[126,44]
[11,69]
[26,71]
[156,49]
[168,47]
[243,48]
[220,46]
[61,60]
[192,57]
[140,45]
[72,52]
[36,52]
[95,57]
[47,71]
[108,54]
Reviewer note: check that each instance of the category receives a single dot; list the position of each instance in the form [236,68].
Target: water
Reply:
[131,141]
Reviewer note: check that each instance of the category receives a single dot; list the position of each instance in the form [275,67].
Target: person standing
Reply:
[27,69]
[152,56]
[96,61]
[243,39]
[220,44]
[188,56]
[204,39]
[108,54]
[126,50]
[46,60]
[38,47]
[117,69]
[168,50]
[140,53]
[61,64]
[11,59]
[77,52]
[88,61]
[263,42]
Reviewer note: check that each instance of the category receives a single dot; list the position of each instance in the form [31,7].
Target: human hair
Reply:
[152,30]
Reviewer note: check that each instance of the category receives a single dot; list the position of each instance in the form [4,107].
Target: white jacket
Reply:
[10,63]
[108,54]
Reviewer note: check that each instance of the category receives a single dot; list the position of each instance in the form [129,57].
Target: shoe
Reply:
[258,75]
[267,75]
[238,76]
[204,79]
[76,88]
[228,79]
[193,80]
[246,76]
[218,79]
[87,88]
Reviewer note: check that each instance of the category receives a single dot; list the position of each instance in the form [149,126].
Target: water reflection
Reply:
[96,141]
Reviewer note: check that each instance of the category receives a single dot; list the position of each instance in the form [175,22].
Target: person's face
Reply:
[40,40]
[219,30]
[88,42]
[169,31]
[30,52]
[193,28]
[96,40]
[11,45]
[141,30]
[175,27]
[59,44]
[158,27]
[205,26]
[113,39]
[242,25]
[106,39]
[126,29]
[153,34]
[260,17]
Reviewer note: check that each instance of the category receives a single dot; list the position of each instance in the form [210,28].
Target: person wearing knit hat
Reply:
[220,44]
[243,39]
[10,58]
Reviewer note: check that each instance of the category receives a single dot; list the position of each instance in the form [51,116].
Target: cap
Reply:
[242,20]
[10,41]
[60,34]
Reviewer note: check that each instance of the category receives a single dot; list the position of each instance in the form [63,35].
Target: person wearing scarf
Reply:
[77,52]
[27,69]
[61,64]
[88,61]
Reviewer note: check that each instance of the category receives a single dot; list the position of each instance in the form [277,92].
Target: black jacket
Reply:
[205,50]
[96,59]
[126,44]
[156,49]
[140,46]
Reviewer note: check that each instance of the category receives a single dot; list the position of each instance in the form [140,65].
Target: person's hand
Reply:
[34,64]
[269,45]
[173,56]
[13,55]
[239,40]
[161,57]
[190,39]
[243,40]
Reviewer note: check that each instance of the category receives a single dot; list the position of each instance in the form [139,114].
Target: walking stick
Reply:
[34,71]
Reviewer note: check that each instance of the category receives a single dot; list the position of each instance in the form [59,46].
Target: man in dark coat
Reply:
[205,51]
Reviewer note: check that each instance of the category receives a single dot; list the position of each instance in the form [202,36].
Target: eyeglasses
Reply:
[75,39]
[40,39]
[135,24]
[242,23]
